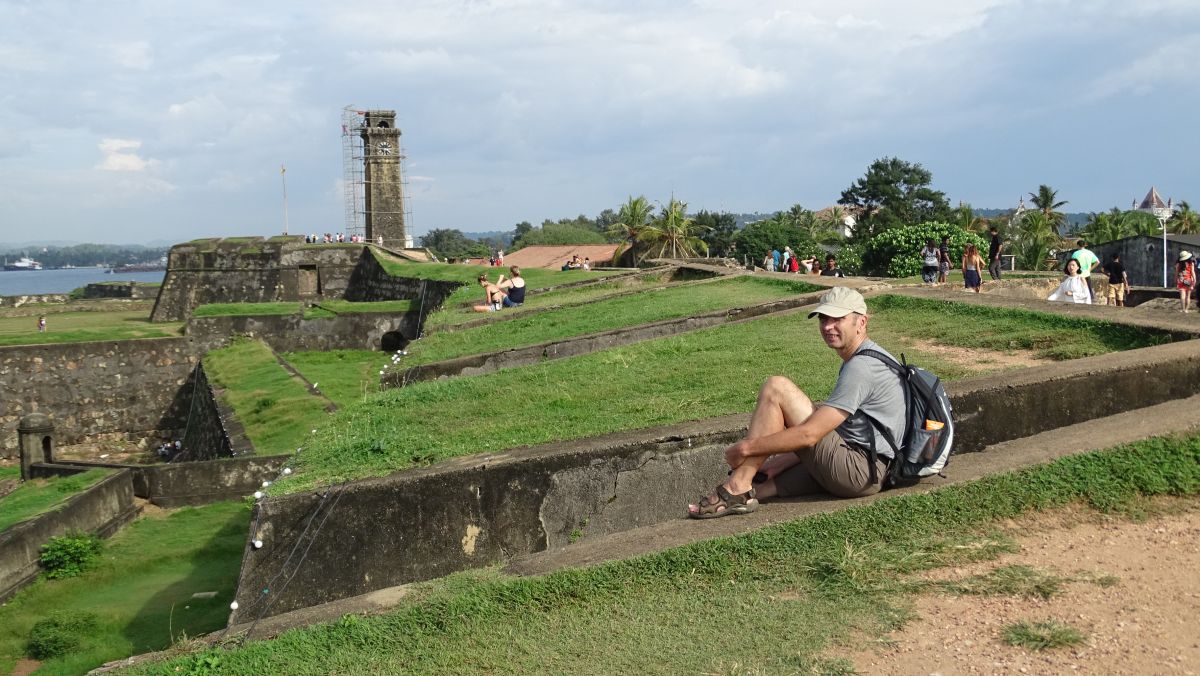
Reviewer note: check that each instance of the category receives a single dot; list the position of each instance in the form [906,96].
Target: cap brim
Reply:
[830,311]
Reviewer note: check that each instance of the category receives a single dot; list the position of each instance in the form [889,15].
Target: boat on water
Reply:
[23,263]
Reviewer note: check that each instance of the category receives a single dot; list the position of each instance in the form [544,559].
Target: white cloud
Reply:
[118,155]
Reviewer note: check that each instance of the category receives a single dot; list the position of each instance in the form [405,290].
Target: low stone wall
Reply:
[180,484]
[370,282]
[286,333]
[135,387]
[570,347]
[477,511]
[101,509]
[18,301]
[131,290]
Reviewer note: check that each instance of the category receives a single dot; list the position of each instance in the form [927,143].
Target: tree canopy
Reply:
[450,243]
[893,193]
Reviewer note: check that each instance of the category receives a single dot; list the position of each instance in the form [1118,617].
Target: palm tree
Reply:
[1184,221]
[672,233]
[1105,227]
[1043,199]
[965,218]
[1036,235]
[632,218]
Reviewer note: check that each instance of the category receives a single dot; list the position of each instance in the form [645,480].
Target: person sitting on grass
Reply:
[795,446]
[514,287]
[493,296]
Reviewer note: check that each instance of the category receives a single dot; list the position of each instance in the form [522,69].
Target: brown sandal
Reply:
[726,503]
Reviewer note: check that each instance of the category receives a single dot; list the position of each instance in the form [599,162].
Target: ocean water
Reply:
[31,282]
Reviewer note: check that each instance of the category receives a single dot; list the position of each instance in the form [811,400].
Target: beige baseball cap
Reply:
[839,302]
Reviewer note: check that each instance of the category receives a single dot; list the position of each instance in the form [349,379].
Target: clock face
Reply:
[385,148]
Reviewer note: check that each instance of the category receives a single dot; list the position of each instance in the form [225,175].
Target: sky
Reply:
[163,121]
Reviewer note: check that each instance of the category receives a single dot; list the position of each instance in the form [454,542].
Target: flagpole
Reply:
[283,178]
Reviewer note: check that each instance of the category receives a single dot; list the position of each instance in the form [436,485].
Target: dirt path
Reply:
[1145,623]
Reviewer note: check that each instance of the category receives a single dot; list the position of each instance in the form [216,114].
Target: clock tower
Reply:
[383,187]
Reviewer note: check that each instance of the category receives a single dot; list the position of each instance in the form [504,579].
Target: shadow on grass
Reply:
[174,612]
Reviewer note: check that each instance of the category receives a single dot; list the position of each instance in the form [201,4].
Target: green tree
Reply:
[760,237]
[1105,227]
[632,217]
[1033,240]
[450,243]
[717,231]
[521,229]
[672,233]
[896,252]
[893,193]
[1184,221]
[566,231]
[1046,200]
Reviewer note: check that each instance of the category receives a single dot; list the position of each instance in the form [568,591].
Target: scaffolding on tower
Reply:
[353,188]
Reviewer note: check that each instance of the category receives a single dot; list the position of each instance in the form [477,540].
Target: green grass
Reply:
[656,382]
[38,496]
[786,584]
[76,327]
[240,309]
[141,588]
[1042,635]
[347,307]
[1003,329]
[535,278]
[276,408]
[603,315]
[344,376]
[10,472]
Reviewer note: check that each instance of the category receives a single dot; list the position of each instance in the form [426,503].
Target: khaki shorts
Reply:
[832,466]
[1116,293]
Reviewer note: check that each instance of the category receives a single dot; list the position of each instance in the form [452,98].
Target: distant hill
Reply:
[1074,221]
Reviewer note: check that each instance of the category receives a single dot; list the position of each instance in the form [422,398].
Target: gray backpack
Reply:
[929,425]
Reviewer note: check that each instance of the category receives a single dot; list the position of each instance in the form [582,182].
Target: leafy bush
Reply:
[69,555]
[897,252]
[850,258]
[59,634]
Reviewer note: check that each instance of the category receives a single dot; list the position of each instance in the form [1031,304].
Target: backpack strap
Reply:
[901,371]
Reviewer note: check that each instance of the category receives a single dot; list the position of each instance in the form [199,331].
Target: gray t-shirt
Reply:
[866,384]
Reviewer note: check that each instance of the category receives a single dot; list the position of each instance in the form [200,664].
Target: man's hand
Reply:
[737,453]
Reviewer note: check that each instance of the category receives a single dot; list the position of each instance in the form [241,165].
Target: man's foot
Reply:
[723,503]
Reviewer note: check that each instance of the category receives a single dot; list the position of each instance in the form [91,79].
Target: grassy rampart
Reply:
[770,601]
[38,496]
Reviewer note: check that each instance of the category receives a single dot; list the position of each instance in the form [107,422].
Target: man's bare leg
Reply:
[780,405]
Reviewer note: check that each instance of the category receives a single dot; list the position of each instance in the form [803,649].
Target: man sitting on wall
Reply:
[796,447]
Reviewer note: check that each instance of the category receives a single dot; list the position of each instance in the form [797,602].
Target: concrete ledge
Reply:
[480,510]
[102,509]
[477,364]
[198,483]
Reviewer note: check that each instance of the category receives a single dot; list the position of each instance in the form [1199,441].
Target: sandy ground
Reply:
[977,359]
[1143,624]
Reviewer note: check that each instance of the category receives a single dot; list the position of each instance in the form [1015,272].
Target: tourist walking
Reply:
[944,260]
[775,256]
[972,264]
[1185,278]
[1118,281]
[768,263]
[994,251]
[1072,289]
[42,324]
[831,269]
[930,261]
[1087,262]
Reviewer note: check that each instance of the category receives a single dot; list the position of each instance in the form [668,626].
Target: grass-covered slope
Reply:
[141,589]
[684,377]
[770,601]
[276,408]
[647,306]
[37,496]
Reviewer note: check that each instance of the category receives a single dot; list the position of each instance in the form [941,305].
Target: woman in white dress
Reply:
[1073,289]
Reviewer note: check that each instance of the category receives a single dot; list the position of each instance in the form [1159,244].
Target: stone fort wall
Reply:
[252,270]
[134,387]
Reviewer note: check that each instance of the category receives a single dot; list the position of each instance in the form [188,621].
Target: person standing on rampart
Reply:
[1185,279]
[994,250]
[1118,281]
[1087,262]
